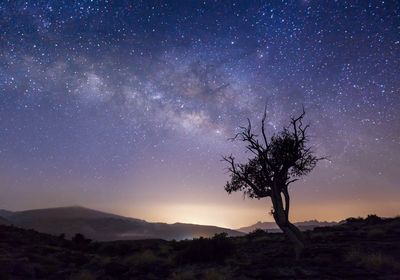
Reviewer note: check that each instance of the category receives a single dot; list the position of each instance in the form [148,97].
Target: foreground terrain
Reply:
[360,248]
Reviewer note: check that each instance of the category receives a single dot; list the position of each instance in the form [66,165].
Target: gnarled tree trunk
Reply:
[281,216]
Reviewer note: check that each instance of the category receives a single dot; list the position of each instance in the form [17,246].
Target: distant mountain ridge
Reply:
[273,227]
[102,226]
[4,221]
[5,213]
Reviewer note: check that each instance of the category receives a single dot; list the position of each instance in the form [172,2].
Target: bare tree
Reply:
[277,162]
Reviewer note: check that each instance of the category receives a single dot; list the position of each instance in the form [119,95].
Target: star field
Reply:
[127,105]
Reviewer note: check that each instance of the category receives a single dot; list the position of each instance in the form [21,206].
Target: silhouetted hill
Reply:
[357,249]
[273,227]
[5,213]
[103,226]
[71,212]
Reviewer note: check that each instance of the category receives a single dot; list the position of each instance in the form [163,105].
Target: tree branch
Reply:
[242,176]
[263,127]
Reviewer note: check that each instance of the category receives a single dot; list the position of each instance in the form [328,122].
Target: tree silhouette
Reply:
[276,163]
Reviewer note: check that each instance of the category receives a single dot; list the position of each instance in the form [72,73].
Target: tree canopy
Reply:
[280,160]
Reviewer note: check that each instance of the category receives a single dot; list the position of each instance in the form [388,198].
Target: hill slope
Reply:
[5,213]
[103,226]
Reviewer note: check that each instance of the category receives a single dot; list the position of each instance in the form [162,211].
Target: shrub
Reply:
[353,220]
[373,219]
[147,261]
[79,238]
[80,242]
[215,274]
[184,275]
[256,233]
[147,258]
[206,274]
[372,260]
[116,249]
[203,250]
[376,233]
[83,275]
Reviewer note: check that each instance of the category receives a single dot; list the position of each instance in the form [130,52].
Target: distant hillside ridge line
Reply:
[103,226]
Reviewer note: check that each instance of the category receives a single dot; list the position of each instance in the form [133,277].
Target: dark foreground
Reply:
[358,249]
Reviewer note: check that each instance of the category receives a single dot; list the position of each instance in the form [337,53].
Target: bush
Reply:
[215,274]
[203,250]
[372,260]
[369,220]
[83,275]
[206,274]
[116,249]
[353,220]
[184,275]
[80,242]
[256,233]
[79,238]
[376,233]
[148,261]
[373,219]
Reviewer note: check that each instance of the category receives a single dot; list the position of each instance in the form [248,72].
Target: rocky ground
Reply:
[358,249]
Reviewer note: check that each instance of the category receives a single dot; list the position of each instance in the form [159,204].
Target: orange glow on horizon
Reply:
[236,216]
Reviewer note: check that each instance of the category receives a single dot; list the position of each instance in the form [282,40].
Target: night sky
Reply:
[127,106]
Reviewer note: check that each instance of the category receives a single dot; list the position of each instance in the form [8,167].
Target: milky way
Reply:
[127,106]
